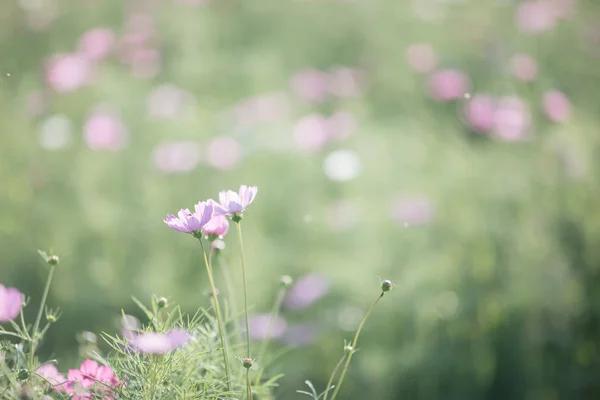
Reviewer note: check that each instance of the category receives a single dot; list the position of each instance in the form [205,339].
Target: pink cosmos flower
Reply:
[188,222]
[259,327]
[448,84]
[523,67]
[557,106]
[310,85]
[311,132]
[217,226]
[160,343]
[57,381]
[104,130]
[67,72]
[421,57]
[479,112]
[306,291]
[11,302]
[91,380]
[536,16]
[512,119]
[232,203]
[177,156]
[97,43]
[223,153]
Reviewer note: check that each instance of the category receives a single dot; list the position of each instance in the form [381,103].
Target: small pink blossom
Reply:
[512,119]
[523,67]
[310,85]
[306,291]
[57,381]
[67,72]
[160,343]
[259,326]
[217,226]
[11,302]
[97,43]
[311,132]
[479,112]
[232,203]
[223,153]
[91,380]
[448,84]
[536,16]
[177,156]
[557,106]
[421,57]
[104,130]
[188,222]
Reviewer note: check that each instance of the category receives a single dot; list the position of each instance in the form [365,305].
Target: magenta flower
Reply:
[306,291]
[259,327]
[97,43]
[512,119]
[91,380]
[223,152]
[523,67]
[479,112]
[57,381]
[67,72]
[188,222]
[160,343]
[557,106]
[11,302]
[310,84]
[232,203]
[311,132]
[104,130]
[217,226]
[448,84]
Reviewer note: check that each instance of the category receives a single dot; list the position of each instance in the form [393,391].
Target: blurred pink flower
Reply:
[217,226]
[223,152]
[305,291]
[523,67]
[557,106]
[536,16]
[311,132]
[91,380]
[512,119]
[346,82]
[421,57]
[479,112]
[160,343]
[310,85]
[259,327]
[341,125]
[67,72]
[300,334]
[177,157]
[104,130]
[167,101]
[11,302]
[97,43]
[56,380]
[448,84]
[413,210]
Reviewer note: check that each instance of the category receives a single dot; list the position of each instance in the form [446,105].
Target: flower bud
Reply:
[23,374]
[50,259]
[51,318]
[162,302]
[348,348]
[386,286]
[247,363]
[209,292]
[286,281]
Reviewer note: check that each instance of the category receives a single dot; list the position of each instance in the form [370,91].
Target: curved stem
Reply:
[239,230]
[248,386]
[218,316]
[347,364]
[34,332]
[335,370]
[7,333]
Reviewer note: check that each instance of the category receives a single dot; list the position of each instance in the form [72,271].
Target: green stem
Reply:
[248,386]
[239,230]
[347,364]
[218,316]
[34,332]
[230,293]
[272,317]
[335,370]
[2,332]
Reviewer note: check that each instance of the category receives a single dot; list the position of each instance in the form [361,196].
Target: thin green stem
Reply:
[347,364]
[218,316]
[239,230]
[7,333]
[34,332]
[230,293]
[335,370]
[248,386]
[272,318]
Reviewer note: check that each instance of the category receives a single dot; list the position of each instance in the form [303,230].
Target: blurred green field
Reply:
[490,236]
